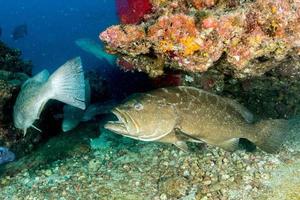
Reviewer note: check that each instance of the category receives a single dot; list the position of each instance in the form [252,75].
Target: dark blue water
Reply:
[53,26]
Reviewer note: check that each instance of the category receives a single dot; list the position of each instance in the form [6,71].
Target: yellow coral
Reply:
[189,45]
[254,41]
[273,9]
[158,3]
[165,45]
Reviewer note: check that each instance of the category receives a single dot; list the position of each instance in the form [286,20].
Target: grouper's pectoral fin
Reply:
[182,146]
[173,138]
[229,145]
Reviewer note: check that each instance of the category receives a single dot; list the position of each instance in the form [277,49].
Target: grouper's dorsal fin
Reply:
[245,113]
[41,77]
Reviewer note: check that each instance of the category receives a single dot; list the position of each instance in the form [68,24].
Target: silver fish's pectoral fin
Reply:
[36,128]
[24,132]
[25,129]
[229,145]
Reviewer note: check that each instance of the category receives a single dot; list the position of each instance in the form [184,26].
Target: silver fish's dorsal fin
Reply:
[245,113]
[41,77]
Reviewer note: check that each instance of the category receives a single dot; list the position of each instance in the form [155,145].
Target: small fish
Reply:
[179,114]
[98,109]
[73,116]
[6,155]
[96,49]
[19,32]
[66,84]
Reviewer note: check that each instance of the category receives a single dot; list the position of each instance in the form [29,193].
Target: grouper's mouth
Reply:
[127,127]
[120,126]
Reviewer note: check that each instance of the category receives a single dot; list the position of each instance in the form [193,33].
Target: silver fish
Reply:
[95,49]
[66,84]
[179,114]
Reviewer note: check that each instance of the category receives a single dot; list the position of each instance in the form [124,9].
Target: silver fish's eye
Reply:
[138,106]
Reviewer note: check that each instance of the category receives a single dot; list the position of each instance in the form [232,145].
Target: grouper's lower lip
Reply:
[117,126]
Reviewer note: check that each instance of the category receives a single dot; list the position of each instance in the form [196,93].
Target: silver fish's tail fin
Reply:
[270,134]
[67,84]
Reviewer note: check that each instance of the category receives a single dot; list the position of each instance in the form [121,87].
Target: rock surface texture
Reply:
[249,38]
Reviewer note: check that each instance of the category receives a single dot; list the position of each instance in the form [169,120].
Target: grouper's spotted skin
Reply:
[191,114]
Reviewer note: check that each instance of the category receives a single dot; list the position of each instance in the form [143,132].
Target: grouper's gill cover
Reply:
[66,84]
[179,114]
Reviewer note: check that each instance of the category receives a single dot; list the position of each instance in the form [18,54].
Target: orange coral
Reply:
[180,36]
[193,41]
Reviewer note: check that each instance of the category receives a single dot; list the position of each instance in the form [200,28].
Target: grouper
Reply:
[66,84]
[180,114]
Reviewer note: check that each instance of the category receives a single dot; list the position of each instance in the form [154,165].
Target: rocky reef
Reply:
[10,60]
[249,37]
[13,73]
[246,50]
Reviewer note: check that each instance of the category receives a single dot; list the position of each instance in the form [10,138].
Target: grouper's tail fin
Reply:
[67,84]
[270,134]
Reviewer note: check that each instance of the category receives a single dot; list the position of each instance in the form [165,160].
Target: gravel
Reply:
[128,169]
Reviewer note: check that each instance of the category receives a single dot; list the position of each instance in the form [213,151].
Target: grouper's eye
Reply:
[138,106]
